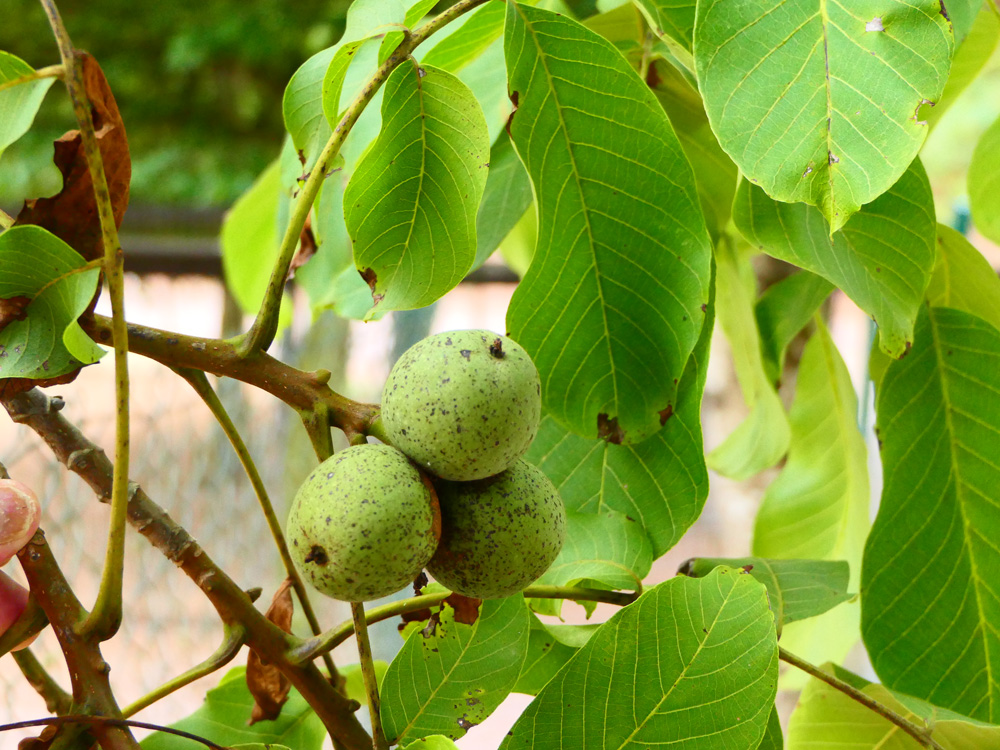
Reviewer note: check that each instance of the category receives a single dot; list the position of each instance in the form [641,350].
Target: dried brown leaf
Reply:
[306,249]
[268,686]
[71,214]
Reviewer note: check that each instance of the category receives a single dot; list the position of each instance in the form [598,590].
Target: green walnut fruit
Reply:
[363,524]
[464,404]
[498,534]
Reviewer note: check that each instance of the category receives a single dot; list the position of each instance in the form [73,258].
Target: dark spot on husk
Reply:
[496,349]
[317,555]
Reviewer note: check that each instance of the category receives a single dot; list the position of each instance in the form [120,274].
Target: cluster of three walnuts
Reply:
[452,495]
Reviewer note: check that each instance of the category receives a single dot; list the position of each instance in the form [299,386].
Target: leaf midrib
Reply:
[585,209]
[967,545]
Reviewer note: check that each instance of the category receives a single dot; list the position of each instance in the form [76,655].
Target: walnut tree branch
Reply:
[233,605]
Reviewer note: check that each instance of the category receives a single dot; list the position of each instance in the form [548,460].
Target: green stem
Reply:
[57,700]
[105,618]
[30,622]
[332,638]
[231,645]
[52,71]
[368,672]
[920,734]
[199,381]
[377,430]
[265,326]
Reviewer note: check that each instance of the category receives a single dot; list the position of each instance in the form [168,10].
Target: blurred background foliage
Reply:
[199,84]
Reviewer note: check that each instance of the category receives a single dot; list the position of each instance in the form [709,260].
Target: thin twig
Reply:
[199,381]
[57,700]
[29,623]
[106,616]
[51,71]
[368,672]
[265,326]
[303,391]
[225,653]
[332,638]
[107,721]
[920,734]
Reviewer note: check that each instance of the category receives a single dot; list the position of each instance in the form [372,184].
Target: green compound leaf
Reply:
[606,550]
[469,40]
[549,648]
[302,105]
[505,199]
[434,742]
[714,171]
[796,589]
[224,715]
[661,482]
[984,183]
[964,279]
[826,717]
[762,438]
[882,258]
[451,676]
[612,303]
[411,204]
[47,341]
[782,311]
[969,59]
[675,18]
[930,603]
[250,241]
[18,105]
[663,671]
[818,505]
[821,101]
[773,740]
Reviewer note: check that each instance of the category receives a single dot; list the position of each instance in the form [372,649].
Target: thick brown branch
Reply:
[304,391]
[230,601]
[87,669]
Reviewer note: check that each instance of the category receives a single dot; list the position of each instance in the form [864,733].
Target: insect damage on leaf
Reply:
[371,279]
[13,309]
[608,429]
[665,414]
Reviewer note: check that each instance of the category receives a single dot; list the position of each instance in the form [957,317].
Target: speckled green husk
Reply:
[460,409]
[498,534]
[363,524]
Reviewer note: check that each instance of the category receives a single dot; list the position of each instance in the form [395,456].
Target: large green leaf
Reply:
[47,341]
[411,204]
[817,507]
[984,183]
[882,258]
[715,173]
[827,718]
[250,242]
[692,664]
[613,301]
[608,550]
[821,101]
[449,676]
[549,648]
[661,482]
[471,37]
[796,589]
[762,438]
[773,739]
[224,715]
[969,59]
[963,278]
[782,311]
[505,199]
[930,600]
[675,18]
[18,105]
[302,105]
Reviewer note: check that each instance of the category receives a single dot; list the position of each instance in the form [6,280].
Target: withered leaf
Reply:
[10,387]
[268,686]
[305,250]
[71,214]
